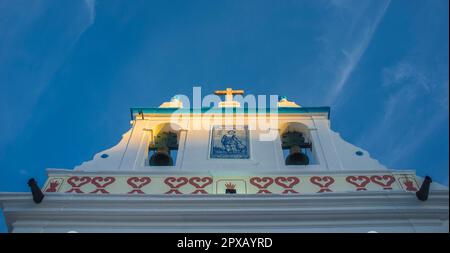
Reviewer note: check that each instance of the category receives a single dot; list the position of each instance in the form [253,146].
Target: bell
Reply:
[296,157]
[161,157]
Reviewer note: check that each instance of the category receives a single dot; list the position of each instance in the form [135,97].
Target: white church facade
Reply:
[215,169]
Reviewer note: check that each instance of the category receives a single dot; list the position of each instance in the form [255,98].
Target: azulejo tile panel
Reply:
[230,142]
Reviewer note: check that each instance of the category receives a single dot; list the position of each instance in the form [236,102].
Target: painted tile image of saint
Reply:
[229,142]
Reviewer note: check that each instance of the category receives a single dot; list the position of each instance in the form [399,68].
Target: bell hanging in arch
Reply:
[161,157]
[296,157]
[295,142]
[164,142]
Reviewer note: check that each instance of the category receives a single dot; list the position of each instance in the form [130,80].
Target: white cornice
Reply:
[191,212]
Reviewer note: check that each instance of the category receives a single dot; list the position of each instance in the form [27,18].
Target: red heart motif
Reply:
[183,180]
[327,181]
[81,181]
[137,182]
[385,181]
[206,180]
[293,180]
[106,181]
[266,180]
[360,182]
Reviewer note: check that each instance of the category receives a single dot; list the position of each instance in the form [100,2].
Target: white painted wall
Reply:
[331,152]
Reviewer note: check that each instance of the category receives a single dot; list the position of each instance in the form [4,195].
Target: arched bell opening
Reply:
[163,148]
[296,144]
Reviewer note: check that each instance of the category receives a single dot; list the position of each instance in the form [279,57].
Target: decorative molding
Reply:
[386,211]
[102,183]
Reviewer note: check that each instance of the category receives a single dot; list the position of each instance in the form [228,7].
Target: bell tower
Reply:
[230,168]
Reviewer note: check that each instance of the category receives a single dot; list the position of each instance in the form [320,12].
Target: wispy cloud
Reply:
[413,90]
[404,72]
[354,54]
[415,137]
[24,172]
[90,4]
[29,60]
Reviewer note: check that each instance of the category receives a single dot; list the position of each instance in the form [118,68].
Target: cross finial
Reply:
[229,92]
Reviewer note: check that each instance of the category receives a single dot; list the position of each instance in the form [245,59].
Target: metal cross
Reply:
[229,92]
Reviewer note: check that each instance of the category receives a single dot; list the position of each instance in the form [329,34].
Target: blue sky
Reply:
[70,71]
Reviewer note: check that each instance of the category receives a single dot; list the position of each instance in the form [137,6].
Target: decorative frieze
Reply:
[203,184]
